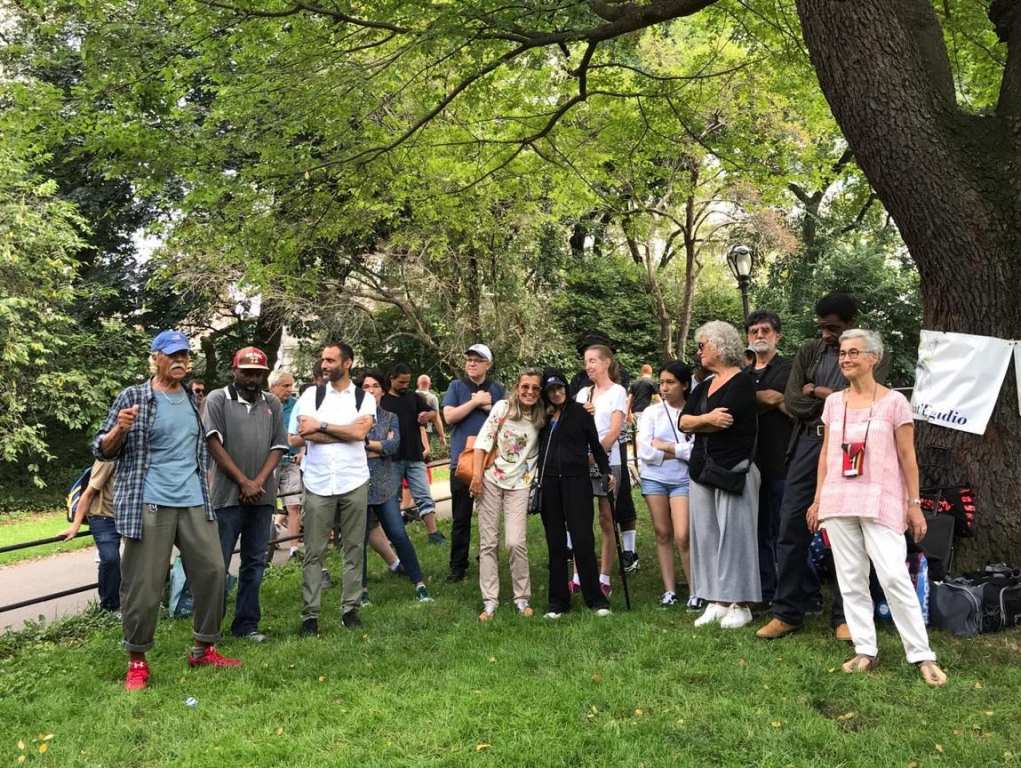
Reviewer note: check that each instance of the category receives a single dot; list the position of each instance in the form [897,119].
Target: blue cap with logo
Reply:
[169,342]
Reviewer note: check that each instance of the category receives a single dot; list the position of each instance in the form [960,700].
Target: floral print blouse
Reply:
[383,482]
[517,452]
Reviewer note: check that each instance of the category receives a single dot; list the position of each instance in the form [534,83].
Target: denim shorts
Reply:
[652,487]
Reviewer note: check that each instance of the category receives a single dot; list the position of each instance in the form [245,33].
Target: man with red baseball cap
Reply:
[244,429]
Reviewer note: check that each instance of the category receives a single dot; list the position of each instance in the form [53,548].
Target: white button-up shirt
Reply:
[335,468]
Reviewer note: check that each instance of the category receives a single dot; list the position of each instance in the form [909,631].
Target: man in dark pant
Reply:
[815,375]
[465,407]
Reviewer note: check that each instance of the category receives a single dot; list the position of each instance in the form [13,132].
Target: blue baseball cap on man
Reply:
[169,342]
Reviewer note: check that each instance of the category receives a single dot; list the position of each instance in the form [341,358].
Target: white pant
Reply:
[855,541]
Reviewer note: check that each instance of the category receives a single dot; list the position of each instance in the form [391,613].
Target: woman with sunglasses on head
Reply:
[513,429]
[663,453]
[724,493]
[867,498]
[565,443]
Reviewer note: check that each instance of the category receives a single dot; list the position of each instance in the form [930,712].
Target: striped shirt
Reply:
[133,460]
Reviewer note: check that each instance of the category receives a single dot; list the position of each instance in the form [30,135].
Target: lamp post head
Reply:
[740,260]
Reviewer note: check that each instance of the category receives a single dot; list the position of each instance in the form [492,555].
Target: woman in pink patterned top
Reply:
[867,499]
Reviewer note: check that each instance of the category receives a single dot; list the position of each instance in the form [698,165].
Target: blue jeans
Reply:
[418,482]
[254,525]
[108,542]
[389,514]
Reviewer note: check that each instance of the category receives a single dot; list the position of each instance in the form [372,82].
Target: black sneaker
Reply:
[327,583]
[309,628]
[630,561]
[456,576]
[814,607]
[351,620]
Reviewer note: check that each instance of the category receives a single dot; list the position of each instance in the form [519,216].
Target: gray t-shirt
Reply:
[248,431]
[828,373]
[173,476]
[434,403]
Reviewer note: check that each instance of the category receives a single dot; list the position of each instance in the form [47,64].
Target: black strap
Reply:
[321,395]
[545,457]
[703,406]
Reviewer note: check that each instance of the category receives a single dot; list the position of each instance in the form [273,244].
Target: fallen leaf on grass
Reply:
[988,713]
[43,747]
[939,748]
[365,638]
[290,666]
[639,712]
[742,663]
[322,678]
[832,670]
[279,731]
[21,745]
[492,659]
[596,678]
[776,724]
[978,686]
[181,681]
[480,747]
[21,759]
[912,764]
[49,736]
[848,716]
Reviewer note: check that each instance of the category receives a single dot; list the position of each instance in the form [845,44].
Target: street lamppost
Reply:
[740,259]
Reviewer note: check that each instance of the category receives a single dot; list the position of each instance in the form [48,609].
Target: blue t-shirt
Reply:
[460,392]
[288,408]
[173,476]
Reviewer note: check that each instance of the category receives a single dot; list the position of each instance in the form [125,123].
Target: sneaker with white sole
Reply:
[552,615]
[737,616]
[603,612]
[422,594]
[713,613]
[669,599]
[695,603]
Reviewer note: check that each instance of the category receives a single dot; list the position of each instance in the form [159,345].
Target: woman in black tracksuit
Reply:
[565,444]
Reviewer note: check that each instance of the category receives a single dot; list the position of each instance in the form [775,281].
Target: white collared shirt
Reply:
[335,468]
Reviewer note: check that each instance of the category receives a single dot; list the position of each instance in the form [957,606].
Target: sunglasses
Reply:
[530,387]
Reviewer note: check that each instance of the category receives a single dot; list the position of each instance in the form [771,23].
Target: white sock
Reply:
[292,550]
[603,578]
[395,565]
[577,579]
[569,540]
[629,540]
[521,604]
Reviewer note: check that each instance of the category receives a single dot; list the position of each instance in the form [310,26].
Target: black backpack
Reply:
[321,395]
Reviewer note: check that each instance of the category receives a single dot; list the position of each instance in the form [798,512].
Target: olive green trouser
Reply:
[318,518]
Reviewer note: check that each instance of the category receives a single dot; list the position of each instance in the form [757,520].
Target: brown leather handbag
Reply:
[465,471]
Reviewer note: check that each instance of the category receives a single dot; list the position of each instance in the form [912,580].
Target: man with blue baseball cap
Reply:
[161,499]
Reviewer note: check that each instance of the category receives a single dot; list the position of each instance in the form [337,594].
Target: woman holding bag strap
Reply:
[564,446]
[513,427]
[663,453]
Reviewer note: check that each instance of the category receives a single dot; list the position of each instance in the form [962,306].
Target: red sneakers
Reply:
[212,659]
[138,676]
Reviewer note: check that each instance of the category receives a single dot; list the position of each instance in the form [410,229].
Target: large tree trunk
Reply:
[952,182]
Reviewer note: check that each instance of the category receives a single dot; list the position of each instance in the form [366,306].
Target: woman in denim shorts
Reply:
[663,452]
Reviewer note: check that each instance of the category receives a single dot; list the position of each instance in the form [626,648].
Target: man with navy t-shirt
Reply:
[466,407]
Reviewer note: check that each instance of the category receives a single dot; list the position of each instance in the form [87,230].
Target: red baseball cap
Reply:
[251,358]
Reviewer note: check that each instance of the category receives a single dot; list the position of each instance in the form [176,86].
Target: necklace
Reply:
[169,400]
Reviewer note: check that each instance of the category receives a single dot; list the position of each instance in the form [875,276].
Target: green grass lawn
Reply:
[39,525]
[428,685]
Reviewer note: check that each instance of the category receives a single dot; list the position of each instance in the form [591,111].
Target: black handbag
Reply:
[535,489]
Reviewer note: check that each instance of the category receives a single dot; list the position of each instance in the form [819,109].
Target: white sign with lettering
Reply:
[958,378]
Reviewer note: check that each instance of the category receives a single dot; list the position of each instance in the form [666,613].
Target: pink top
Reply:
[880,493]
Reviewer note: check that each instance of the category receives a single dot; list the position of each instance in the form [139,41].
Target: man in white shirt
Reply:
[334,419]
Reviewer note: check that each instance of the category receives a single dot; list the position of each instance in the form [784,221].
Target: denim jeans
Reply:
[108,542]
[418,482]
[253,523]
[389,514]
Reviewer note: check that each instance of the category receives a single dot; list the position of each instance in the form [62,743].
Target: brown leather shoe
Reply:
[776,629]
[843,632]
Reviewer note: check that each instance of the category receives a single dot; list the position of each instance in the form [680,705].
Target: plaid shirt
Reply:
[134,458]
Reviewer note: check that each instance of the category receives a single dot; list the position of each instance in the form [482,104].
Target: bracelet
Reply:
[914,502]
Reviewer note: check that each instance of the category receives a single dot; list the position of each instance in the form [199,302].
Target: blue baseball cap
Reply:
[169,342]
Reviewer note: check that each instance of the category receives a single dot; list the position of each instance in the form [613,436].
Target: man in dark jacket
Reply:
[815,375]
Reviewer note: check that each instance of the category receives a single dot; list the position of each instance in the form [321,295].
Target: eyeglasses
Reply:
[474,361]
[849,353]
[529,387]
[760,330]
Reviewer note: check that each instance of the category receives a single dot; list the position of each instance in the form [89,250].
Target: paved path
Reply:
[34,578]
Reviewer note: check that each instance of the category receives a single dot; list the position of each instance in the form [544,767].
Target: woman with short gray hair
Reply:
[724,494]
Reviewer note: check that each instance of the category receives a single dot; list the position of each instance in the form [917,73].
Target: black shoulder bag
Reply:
[712,474]
[535,489]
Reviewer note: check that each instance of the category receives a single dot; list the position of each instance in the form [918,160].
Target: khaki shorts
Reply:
[289,485]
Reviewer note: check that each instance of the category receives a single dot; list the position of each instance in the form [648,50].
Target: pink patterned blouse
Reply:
[880,493]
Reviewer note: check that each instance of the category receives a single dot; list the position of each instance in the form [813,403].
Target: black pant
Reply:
[567,506]
[461,506]
[794,538]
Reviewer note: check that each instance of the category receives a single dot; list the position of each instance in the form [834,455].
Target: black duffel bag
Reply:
[981,601]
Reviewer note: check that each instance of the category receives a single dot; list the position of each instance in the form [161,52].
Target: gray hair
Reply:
[275,376]
[725,340]
[872,340]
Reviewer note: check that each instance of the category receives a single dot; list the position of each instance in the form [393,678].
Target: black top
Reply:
[570,440]
[641,394]
[406,408]
[775,426]
[732,445]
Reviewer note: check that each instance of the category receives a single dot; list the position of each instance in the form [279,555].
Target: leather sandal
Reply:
[931,673]
[860,663]
[485,616]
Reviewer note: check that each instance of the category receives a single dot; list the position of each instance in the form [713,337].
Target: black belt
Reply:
[817,432]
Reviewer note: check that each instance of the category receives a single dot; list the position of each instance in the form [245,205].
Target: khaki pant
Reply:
[514,505]
[144,569]
[318,517]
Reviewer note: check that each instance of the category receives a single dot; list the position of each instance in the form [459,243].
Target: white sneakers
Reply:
[730,617]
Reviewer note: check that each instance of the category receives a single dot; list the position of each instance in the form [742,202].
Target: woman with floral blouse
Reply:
[513,425]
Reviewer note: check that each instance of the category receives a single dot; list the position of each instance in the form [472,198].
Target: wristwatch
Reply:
[811,392]
[323,426]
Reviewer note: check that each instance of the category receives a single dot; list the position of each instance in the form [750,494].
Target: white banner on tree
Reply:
[958,378]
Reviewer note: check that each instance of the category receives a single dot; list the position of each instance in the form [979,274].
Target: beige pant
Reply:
[514,505]
[144,573]
[319,515]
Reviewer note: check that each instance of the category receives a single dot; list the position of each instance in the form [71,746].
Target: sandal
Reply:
[485,616]
[931,673]
[860,663]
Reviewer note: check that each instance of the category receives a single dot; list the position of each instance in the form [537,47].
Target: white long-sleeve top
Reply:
[659,422]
